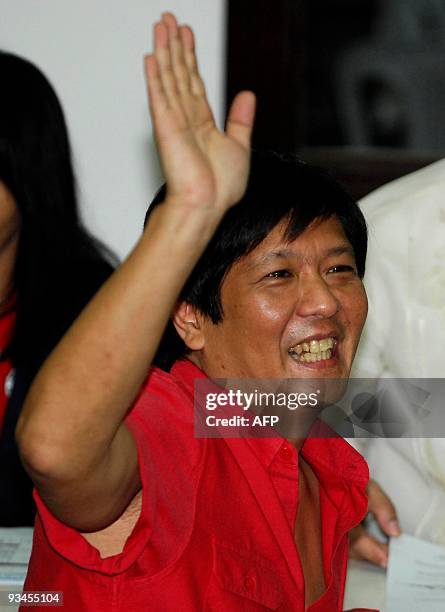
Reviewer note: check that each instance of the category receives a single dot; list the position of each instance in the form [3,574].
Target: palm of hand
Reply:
[204,167]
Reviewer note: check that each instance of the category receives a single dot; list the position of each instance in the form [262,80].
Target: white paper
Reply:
[416,576]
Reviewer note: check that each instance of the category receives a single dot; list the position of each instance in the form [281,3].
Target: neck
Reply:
[297,443]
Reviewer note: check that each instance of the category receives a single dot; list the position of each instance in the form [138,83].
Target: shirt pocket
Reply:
[242,581]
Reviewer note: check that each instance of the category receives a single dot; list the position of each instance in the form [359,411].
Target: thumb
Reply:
[240,120]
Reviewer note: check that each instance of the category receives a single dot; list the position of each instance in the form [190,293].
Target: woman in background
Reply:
[50,266]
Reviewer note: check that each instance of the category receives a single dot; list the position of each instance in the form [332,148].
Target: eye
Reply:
[279,274]
[342,268]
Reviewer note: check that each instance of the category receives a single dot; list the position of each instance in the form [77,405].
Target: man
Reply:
[134,511]
[406,286]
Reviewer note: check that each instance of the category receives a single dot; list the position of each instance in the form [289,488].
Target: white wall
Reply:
[92,50]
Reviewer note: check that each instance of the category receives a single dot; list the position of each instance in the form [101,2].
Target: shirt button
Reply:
[286,454]
[249,583]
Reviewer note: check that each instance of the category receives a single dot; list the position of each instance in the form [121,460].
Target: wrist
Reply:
[184,222]
[202,212]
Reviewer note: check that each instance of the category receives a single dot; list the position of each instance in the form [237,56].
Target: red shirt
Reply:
[216,530]
[7,325]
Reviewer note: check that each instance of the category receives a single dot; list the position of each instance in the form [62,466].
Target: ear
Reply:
[188,323]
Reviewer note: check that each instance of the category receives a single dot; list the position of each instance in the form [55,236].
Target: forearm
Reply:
[85,388]
[71,434]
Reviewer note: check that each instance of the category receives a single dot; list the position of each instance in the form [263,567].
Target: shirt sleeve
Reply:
[73,547]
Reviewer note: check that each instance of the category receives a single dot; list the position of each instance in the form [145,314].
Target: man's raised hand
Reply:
[86,465]
[204,167]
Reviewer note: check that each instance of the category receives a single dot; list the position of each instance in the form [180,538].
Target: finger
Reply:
[194,98]
[176,43]
[163,57]
[170,21]
[383,509]
[156,93]
[364,546]
[241,116]
[160,36]
[188,41]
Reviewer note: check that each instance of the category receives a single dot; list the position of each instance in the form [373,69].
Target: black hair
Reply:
[280,187]
[54,247]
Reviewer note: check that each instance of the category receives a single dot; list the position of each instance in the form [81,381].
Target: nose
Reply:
[316,298]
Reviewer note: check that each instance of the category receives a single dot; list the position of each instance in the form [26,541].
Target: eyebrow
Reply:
[267,258]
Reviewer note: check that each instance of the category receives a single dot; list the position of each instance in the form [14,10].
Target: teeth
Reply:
[315,346]
[313,351]
[326,344]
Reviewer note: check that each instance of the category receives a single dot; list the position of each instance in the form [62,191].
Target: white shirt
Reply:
[404,336]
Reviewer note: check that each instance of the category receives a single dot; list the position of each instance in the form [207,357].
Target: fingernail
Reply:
[384,563]
[393,528]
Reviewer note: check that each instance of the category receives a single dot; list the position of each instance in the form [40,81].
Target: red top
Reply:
[7,324]
[216,530]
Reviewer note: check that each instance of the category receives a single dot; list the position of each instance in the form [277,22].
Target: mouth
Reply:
[314,350]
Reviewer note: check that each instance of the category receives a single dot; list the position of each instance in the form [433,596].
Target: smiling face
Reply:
[291,310]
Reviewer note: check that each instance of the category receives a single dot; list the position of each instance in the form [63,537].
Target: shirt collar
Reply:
[327,452]
[265,448]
